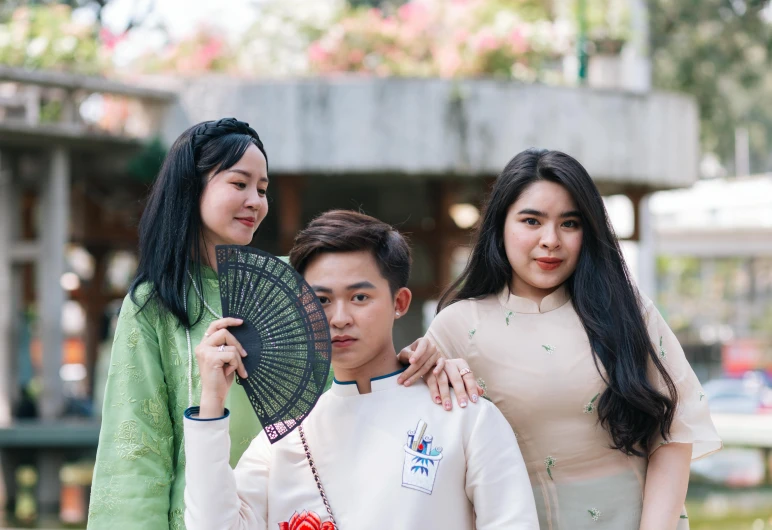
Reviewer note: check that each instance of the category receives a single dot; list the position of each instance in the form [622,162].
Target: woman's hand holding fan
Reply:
[219,357]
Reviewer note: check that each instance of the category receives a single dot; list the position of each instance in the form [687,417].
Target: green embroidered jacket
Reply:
[139,478]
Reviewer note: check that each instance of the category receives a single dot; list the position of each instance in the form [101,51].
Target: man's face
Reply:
[358,303]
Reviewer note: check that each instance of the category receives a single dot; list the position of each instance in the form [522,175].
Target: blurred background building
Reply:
[406,110]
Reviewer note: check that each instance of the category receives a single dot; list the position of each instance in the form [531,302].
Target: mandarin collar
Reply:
[377,384]
[518,304]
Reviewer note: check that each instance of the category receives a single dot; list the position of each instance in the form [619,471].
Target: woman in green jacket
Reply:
[210,191]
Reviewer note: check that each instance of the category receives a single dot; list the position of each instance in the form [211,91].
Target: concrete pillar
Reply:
[54,234]
[647,249]
[636,55]
[6,294]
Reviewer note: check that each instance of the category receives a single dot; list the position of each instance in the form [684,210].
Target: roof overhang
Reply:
[447,128]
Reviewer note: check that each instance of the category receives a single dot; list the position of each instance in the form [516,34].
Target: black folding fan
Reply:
[285,334]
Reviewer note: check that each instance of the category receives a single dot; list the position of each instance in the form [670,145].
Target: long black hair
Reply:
[170,228]
[603,295]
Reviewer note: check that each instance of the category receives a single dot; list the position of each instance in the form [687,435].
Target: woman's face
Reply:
[234,201]
[542,239]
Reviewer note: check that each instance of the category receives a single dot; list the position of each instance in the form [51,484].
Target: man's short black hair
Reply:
[350,231]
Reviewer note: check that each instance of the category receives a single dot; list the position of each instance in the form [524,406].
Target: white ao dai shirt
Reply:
[466,473]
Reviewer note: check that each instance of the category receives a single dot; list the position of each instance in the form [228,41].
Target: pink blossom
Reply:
[415,14]
[210,52]
[460,36]
[355,57]
[110,39]
[518,41]
[448,62]
[317,53]
[486,41]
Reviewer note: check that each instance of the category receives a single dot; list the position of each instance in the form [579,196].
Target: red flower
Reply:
[306,521]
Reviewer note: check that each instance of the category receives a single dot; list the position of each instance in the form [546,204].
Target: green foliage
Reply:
[376,3]
[45,36]
[147,163]
[719,51]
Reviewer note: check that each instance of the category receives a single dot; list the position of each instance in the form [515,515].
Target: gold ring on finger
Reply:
[464,371]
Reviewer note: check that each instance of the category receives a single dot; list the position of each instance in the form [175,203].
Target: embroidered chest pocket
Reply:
[422,460]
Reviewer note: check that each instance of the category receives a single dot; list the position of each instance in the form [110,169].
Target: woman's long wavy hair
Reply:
[630,408]
[170,228]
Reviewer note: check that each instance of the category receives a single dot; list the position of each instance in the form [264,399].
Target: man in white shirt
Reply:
[385,456]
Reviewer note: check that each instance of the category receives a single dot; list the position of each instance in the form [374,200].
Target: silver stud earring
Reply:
[397,313]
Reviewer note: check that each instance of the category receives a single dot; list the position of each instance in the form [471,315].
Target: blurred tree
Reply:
[140,10]
[146,164]
[277,43]
[720,51]
[199,53]
[522,6]
[376,3]
[44,33]
[38,36]
[435,38]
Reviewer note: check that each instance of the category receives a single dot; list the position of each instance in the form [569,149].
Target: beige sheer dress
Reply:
[537,366]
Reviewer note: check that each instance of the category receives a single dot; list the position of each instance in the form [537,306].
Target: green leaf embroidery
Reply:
[589,408]
[247,440]
[594,513]
[133,339]
[548,348]
[484,386]
[127,441]
[508,315]
[155,409]
[106,500]
[550,463]
[157,485]
[702,395]
[471,333]
[151,443]
[662,351]
[684,517]
[177,519]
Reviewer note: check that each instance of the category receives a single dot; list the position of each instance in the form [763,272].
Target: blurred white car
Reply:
[736,466]
[747,395]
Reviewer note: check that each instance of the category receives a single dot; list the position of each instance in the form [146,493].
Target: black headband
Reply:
[210,130]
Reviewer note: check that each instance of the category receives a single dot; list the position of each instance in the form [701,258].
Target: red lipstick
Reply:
[548,264]
[248,221]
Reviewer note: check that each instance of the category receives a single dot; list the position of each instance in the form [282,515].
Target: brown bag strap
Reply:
[316,475]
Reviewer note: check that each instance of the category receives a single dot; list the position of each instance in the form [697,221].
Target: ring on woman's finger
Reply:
[221,348]
[206,334]
[464,371]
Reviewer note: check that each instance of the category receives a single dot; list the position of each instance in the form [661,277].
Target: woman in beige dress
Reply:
[607,411]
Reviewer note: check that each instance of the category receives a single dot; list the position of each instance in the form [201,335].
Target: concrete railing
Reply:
[72,106]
